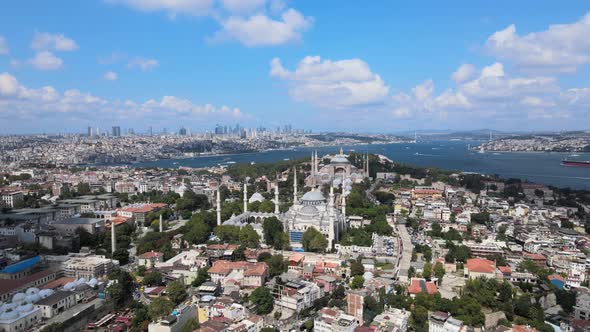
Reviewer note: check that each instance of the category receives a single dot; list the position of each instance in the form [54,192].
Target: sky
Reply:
[364,66]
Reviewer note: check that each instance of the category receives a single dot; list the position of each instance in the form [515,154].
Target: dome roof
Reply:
[256,197]
[313,196]
[339,159]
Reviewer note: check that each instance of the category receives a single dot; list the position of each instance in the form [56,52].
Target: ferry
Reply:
[575,163]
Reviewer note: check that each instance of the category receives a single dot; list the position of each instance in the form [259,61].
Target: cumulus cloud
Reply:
[3,46]
[262,30]
[143,63]
[332,84]
[18,101]
[463,73]
[110,76]
[249,22]
[172,7]
[242,6]
[561,48]
[45,60]
[44,41]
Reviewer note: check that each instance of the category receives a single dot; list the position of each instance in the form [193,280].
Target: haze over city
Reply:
[330,65]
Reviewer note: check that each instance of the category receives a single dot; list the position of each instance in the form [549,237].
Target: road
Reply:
[405,253]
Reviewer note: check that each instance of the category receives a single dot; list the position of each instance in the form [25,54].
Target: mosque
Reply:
[337,170]
[312,209]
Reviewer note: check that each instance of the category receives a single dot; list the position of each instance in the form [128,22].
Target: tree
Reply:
[357,282]
[249,237]
[264,256]
[228,233]
[198,232]
[436,230]
[313,240]
[262,298]
[276,265]
[202,276]
[427,270]
[190,325]
[439,271]
[272,228]
[122,255]
[160,307]
[153,278]
[176,292]
[357,268]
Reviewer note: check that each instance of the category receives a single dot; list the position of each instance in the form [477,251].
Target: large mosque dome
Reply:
[313,198]
[339,159]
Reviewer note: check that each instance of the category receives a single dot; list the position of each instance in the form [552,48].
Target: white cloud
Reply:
[172,7]
[560,48]
[8,85]
[143,63]
[44,41]
[110,76]
[18,101]
[242,6]
[3,46]
[262,30]
[463,73]
[332,84]
[46,60]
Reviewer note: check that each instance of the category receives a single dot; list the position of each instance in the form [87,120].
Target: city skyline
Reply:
[192,64]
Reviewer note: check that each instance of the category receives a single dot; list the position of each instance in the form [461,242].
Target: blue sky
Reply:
[375,66]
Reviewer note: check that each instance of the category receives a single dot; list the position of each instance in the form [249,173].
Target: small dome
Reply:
[25,308]
[70,285]
[81,281]
[309,210]
[313,196]
[45,293]
[7,307]
[256,197]
[368,275]
[32,298]
[32,290]
[18,297]
[9,315]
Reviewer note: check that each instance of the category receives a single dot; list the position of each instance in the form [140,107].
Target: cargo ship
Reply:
[575,163]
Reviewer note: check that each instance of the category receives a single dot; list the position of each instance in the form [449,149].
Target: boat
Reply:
[575,163]
[574,155]
[231,162]
[481,150]
[286,159]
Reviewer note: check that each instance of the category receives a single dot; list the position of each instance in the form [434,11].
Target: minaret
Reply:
[316,162]
[312,164]
[113,238]
[277,211]
[161,224]
[245,197]
[343,205]
[294,185]
[218,208]
[367,161]
[331,200]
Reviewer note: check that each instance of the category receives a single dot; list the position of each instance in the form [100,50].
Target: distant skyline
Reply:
[377,66]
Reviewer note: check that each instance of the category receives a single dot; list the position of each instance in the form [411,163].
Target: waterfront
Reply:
[451,155]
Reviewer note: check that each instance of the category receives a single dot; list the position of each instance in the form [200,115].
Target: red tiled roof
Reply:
[250,269]
[535,257]
[418,285]
[144,208]
[481,265]
[505,269]
[151,254]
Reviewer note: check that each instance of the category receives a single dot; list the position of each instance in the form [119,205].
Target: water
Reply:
[450,155]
